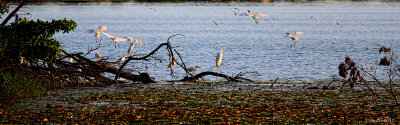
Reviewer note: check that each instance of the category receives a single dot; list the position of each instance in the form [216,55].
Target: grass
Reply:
[18,85]
[204,104]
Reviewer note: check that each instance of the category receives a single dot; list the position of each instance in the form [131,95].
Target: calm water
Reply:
[248,47]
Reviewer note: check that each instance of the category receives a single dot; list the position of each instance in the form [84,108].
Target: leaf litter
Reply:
[205,103]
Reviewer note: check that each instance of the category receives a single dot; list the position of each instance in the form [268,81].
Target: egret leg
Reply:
[293,44]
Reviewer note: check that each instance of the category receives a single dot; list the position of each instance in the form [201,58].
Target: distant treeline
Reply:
[263,1]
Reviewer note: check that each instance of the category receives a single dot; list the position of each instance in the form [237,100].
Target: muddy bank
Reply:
[222,102]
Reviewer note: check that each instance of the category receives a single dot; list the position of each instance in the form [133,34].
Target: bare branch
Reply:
[13,13]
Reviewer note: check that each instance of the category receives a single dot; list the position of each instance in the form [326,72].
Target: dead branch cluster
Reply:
[355,76]
[345,67]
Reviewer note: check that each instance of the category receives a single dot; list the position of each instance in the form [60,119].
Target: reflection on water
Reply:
[332,31]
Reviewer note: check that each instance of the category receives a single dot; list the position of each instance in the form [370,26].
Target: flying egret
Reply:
[133,43]
[256,16]
[192,69]
[214,21]
[121,60]
[294,37]
[98,56]
[117,39]
[153,9]
[315,18]
[171,64]
[238,12]
[218,60]
[100,29]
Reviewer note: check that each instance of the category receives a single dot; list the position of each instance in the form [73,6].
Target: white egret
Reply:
[214,21]
[294,37]
[98,56]
[192,69]
[218,60]
[100,29]
[171,64]
[256,16]
[153,9]
[117,39]
[121,60]
[71,60]
[133,43]
[315,18]
[21,60]
[238,12]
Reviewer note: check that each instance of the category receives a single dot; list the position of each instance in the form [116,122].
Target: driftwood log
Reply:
[202,74]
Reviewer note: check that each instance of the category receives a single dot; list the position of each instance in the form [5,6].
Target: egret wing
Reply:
[108,35]
[298,33]
[261,14]
[244,14]
[122,39]
[128,38]
[102,28]
[138,41]
[290,35]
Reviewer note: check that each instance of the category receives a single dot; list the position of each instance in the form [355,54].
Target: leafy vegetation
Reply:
[33,39]
[24,43]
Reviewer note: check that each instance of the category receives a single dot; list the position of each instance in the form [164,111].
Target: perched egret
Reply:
[192,69]
[21,60]
[117,39]
[98,56]
[256,16]
[100,29]
[171,64]
[133,43]
[71,60]
[121,60]
[294,37]
[218,60]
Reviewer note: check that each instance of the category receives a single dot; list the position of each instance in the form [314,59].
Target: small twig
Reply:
[370,89]
[90,49]
[183,65]
[381,84]
[272,84]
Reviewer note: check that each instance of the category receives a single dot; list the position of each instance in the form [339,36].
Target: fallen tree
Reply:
[92,70]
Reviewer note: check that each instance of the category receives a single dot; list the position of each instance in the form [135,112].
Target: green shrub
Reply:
[33,39]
